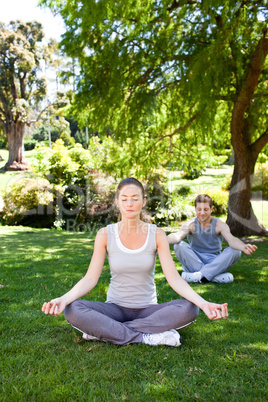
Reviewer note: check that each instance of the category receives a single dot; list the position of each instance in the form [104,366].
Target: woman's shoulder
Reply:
[102,233]
[109,228]
[103,230]
[159,231]
[108,231]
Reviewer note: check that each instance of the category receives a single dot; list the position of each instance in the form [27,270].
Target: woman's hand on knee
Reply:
[55,307]
[215,311]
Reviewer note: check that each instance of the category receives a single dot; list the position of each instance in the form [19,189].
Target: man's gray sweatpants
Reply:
[209,264]
[120,325]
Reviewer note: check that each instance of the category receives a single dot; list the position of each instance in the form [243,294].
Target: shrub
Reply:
[184,191]
[191,173]
[3,141]
[67,139]
[25,200]
[176,209]
[220,201]
[260,181]
[85,163]
[62,168]
[29,144]
[40,163]
[226,183]
[87,195]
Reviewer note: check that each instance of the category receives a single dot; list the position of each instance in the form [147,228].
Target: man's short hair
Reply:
[203,198]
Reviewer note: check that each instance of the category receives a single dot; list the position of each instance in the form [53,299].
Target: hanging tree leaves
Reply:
[165,70]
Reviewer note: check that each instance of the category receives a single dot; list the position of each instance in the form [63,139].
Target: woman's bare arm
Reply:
[87,283]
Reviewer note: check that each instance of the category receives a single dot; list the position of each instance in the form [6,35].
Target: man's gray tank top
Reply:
[132,271]
[206,240]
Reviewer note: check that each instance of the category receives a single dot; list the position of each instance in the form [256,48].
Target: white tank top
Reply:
[132,271]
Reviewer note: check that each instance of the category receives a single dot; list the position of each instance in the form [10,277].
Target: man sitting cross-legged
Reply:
[202,258]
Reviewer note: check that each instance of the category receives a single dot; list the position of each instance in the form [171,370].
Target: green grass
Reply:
[210,179]
[44,359]
[261,211]
[9,178]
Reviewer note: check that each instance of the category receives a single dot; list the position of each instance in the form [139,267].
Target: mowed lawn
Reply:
[44,359]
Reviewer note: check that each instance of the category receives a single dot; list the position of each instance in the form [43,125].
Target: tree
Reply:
[166,70]
[20,84]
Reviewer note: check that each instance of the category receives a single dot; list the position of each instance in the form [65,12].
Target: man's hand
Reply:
[249,248]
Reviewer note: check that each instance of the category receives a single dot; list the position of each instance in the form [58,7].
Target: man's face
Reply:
[203,212]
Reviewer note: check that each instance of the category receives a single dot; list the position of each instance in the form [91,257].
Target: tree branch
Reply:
[250,84]
[144,76]
[176,4]
[180,129]
[252,77]
[259,144]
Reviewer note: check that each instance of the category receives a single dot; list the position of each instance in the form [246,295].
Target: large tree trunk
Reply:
[241,218]
[15,137]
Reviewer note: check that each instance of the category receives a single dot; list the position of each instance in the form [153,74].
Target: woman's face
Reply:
[130,201]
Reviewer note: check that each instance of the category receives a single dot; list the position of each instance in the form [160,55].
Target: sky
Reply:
[28,10]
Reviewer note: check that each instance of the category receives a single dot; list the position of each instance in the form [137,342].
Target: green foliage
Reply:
[184,190]
[62,169]
[220,201]
[157,194]
[87,195]
[84,160]
[179,74]
[178,209]
[191,173]
[3,142]
[260,181]
[22,87]
[41,159]
[226,183]
[21,84]
[80,138]
[58,127]
[167,76]
[178,206]
[25,198]
[29,143]
[67,139]
[262,158]
[20,81]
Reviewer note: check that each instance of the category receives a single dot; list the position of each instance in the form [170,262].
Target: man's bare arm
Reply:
[224,230]
[187,228]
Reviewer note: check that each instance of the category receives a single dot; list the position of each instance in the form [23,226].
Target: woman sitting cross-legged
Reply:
[131,313]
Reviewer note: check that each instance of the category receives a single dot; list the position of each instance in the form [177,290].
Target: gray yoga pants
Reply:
[207,263]
[120,325]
